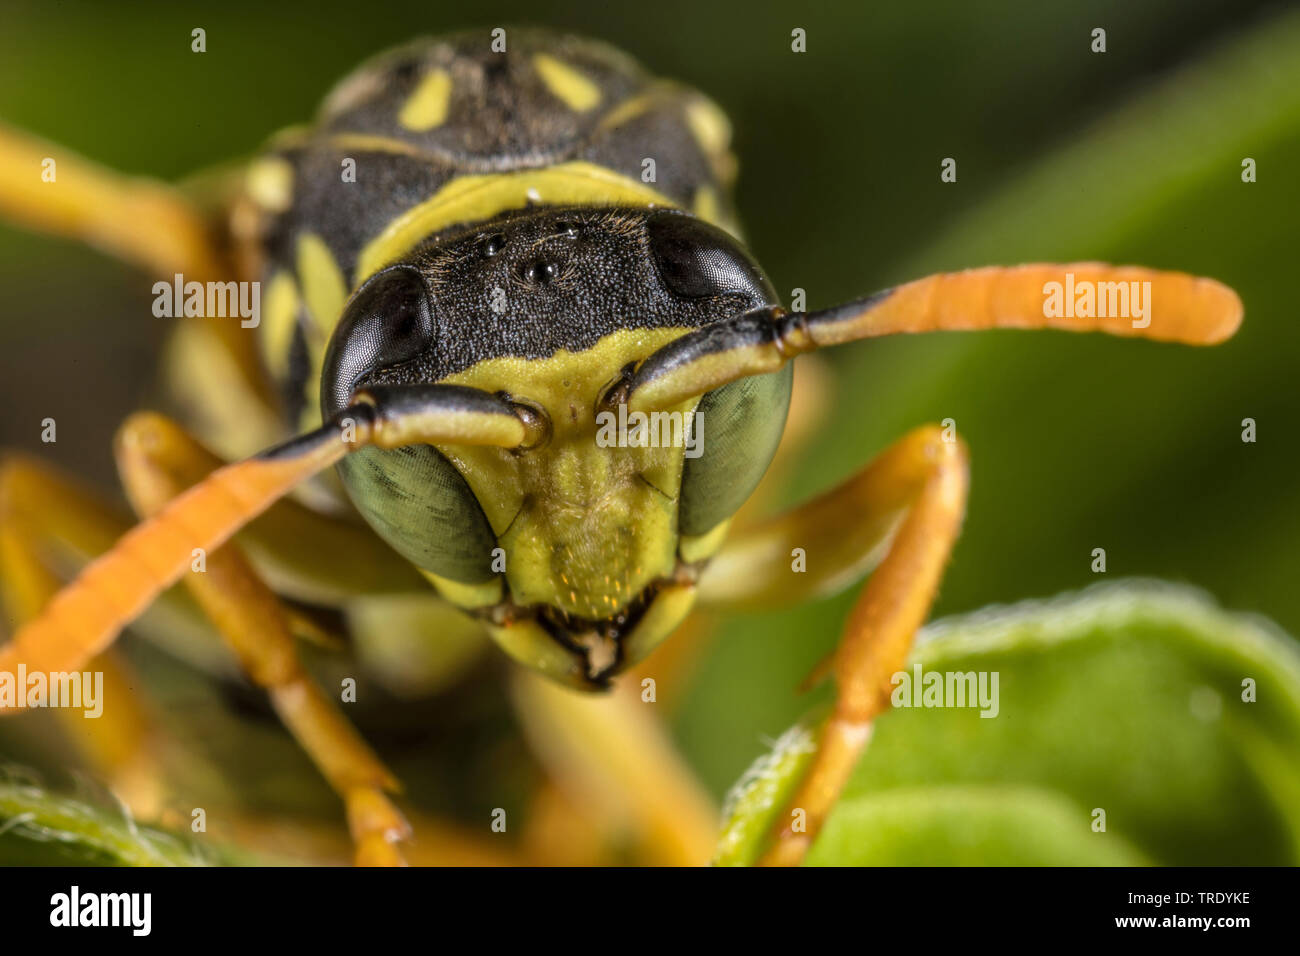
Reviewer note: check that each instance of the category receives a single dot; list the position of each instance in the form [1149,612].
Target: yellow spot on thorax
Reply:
[269,181]
[634,107]
[567,85]
[712,131]
[706,204]
[709,125]
[325,292]
[373,143]
[278,319]
[323,285]
[426,107]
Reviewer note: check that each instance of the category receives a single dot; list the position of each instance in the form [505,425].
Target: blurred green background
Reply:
[1133,155]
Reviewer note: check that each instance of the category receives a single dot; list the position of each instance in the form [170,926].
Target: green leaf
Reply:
[967,826]
[38,828]
[1127,698]
[760,794]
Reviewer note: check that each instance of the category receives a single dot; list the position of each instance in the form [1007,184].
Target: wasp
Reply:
[508,352]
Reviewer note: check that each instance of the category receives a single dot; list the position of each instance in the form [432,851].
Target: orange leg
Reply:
[902,514]
[156,460]
[933,473]
[40,510]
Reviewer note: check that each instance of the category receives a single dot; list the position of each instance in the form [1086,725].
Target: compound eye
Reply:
[387,323]
[696,259]
[743,421]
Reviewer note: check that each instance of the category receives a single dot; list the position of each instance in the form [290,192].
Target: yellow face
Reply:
[587,521]
[578,549]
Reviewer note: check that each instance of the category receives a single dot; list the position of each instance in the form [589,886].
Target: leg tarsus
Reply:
[932,474]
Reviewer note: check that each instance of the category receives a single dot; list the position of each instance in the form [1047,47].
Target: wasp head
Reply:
[579,549]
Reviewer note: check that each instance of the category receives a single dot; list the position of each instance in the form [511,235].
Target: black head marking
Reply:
[532,283]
